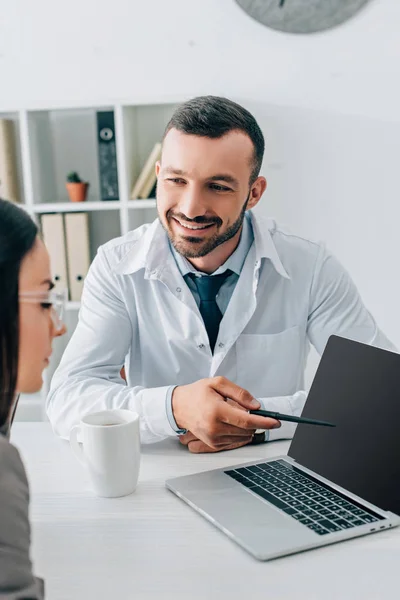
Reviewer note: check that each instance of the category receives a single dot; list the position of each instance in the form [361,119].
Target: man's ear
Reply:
[256,191]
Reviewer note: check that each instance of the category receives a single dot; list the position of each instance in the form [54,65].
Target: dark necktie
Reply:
[208,288]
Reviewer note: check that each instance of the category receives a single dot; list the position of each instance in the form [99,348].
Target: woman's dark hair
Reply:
[17,237]
[213,117]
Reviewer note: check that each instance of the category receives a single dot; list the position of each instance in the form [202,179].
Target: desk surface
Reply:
[151,545]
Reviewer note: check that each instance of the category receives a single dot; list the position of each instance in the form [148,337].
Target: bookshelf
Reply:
[51,142]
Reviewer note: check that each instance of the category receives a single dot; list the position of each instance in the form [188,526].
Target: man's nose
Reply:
[191,204]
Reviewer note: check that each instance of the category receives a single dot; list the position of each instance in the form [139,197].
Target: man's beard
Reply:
[182,246]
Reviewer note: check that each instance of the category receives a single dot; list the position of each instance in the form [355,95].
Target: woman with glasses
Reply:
[30,317]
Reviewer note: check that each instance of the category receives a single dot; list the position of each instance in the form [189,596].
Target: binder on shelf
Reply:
[107,153]
[147,177]
[53,236]
[78,253]
[9,187]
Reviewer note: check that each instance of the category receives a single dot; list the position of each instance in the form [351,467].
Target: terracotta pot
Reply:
[77,191]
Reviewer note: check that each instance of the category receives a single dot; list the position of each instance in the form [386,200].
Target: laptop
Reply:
[335,483]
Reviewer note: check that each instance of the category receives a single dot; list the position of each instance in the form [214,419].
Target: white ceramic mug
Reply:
[110,450]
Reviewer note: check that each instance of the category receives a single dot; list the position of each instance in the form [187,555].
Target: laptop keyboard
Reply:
[303,497]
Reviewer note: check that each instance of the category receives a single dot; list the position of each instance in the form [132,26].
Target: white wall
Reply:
[329,103]
[89,50]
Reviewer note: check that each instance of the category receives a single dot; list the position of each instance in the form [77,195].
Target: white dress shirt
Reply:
[138,311]
[235,264]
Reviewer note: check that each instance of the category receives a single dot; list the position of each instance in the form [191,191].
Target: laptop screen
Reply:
[357,387]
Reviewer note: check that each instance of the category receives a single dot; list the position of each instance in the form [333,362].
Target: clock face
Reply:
[301,16]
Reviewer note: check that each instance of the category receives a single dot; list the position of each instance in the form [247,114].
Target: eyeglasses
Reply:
[51,299]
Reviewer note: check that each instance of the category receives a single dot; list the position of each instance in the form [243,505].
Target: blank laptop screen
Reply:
[357,387]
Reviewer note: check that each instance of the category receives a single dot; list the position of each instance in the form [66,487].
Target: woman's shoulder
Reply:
[14,496]
[13,478]
[15,564]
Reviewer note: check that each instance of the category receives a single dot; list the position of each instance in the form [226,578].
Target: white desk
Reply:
[151,545]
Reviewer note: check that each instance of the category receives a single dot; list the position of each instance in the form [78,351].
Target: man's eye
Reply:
[219,188]
[46,305]
[175,180]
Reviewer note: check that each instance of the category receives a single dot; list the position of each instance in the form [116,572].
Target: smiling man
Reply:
[211,309]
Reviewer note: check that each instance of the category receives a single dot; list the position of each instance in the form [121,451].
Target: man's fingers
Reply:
[197,446]
[244,420]
[227,389]
[233,435]
[186,438]
[227,440]
[235,404]
[244,399]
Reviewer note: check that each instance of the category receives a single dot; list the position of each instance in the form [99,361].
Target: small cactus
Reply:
[73,177]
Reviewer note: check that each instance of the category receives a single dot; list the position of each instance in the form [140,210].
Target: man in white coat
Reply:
[210,309]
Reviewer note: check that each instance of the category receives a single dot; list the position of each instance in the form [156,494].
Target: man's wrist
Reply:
[260,436]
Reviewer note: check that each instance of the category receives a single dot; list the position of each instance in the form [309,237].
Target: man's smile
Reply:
[193,228]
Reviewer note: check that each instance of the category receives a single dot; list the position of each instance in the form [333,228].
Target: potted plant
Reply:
[77,189]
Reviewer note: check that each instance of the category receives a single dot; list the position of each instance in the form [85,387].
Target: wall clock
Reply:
[301,16]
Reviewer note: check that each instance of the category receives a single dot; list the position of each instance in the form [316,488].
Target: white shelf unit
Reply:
[51,142]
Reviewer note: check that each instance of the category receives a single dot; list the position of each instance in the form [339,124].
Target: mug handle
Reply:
[76,448]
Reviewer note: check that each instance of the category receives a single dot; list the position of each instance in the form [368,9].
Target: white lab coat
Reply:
[137,311]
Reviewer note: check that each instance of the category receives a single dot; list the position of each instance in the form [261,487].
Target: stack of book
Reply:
[9,188]
[145,184]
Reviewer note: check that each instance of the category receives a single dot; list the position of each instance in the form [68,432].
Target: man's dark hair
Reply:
[213,117]
[17,236]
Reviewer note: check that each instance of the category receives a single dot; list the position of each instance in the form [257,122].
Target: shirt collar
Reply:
[152,250]
[264,244]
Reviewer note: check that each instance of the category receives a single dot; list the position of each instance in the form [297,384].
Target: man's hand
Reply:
[202,409]
[197,446]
